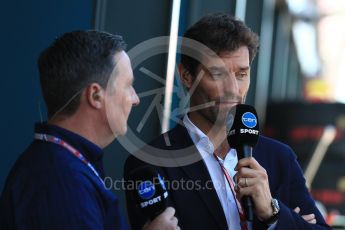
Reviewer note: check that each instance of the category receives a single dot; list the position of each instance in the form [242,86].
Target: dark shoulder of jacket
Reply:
[159,144]
[272,146]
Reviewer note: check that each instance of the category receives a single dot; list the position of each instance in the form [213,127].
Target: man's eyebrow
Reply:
[221,68]
[244,68]
[216,68]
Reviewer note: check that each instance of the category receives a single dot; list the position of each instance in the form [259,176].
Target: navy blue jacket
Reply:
[199,207]
[49,188]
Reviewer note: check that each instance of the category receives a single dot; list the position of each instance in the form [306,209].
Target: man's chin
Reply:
[220,120]
[123,131]
[118,131]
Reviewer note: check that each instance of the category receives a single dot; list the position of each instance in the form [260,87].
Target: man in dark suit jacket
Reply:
[195,158]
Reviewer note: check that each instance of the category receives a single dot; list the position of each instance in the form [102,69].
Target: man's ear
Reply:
[95,95]
[185,76]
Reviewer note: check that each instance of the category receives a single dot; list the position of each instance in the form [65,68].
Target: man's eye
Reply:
[242,75]
[217,75]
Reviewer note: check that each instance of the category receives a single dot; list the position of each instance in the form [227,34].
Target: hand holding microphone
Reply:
[251,178]
[151,196]
[252,181]
[166,220]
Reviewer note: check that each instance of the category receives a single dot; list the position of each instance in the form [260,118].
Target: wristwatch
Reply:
[276,210]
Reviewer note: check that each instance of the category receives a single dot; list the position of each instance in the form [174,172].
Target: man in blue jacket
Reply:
[57,183]
[205,179]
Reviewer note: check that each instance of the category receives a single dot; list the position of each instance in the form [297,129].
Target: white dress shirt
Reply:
[206,149]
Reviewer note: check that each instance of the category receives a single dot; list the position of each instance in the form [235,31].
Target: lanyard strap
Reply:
[232,187]
[70,148]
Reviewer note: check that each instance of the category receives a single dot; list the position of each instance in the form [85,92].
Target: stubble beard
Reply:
[215,116]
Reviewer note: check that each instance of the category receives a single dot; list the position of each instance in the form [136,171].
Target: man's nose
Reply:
[135,99]
[231,84]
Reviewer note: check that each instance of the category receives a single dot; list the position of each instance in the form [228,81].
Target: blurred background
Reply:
[296,78]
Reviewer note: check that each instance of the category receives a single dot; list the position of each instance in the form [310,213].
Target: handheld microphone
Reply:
[243,134]
[149,192]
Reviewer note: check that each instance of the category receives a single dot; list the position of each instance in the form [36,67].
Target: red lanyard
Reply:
[70,148]
[231,184]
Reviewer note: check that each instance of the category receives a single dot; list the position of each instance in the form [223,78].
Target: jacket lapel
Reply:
[197,171]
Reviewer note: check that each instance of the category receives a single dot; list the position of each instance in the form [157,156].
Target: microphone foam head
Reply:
[242,126]
[148,190]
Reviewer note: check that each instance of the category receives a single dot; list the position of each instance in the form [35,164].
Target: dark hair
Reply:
[73,61]
[219,32]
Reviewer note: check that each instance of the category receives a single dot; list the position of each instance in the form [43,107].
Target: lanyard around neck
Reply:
[70,148]
[232,188]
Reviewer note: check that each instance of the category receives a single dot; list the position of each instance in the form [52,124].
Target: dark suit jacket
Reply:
[198,207]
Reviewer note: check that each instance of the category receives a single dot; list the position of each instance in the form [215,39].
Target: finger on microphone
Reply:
[166,220]
[297,210]
[174,221]
[248,162]
[243,182]
[168,213]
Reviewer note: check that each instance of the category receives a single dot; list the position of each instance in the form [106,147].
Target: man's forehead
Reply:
[121,56]
[122,69]
[242,51]
[122,62]
[241,56]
